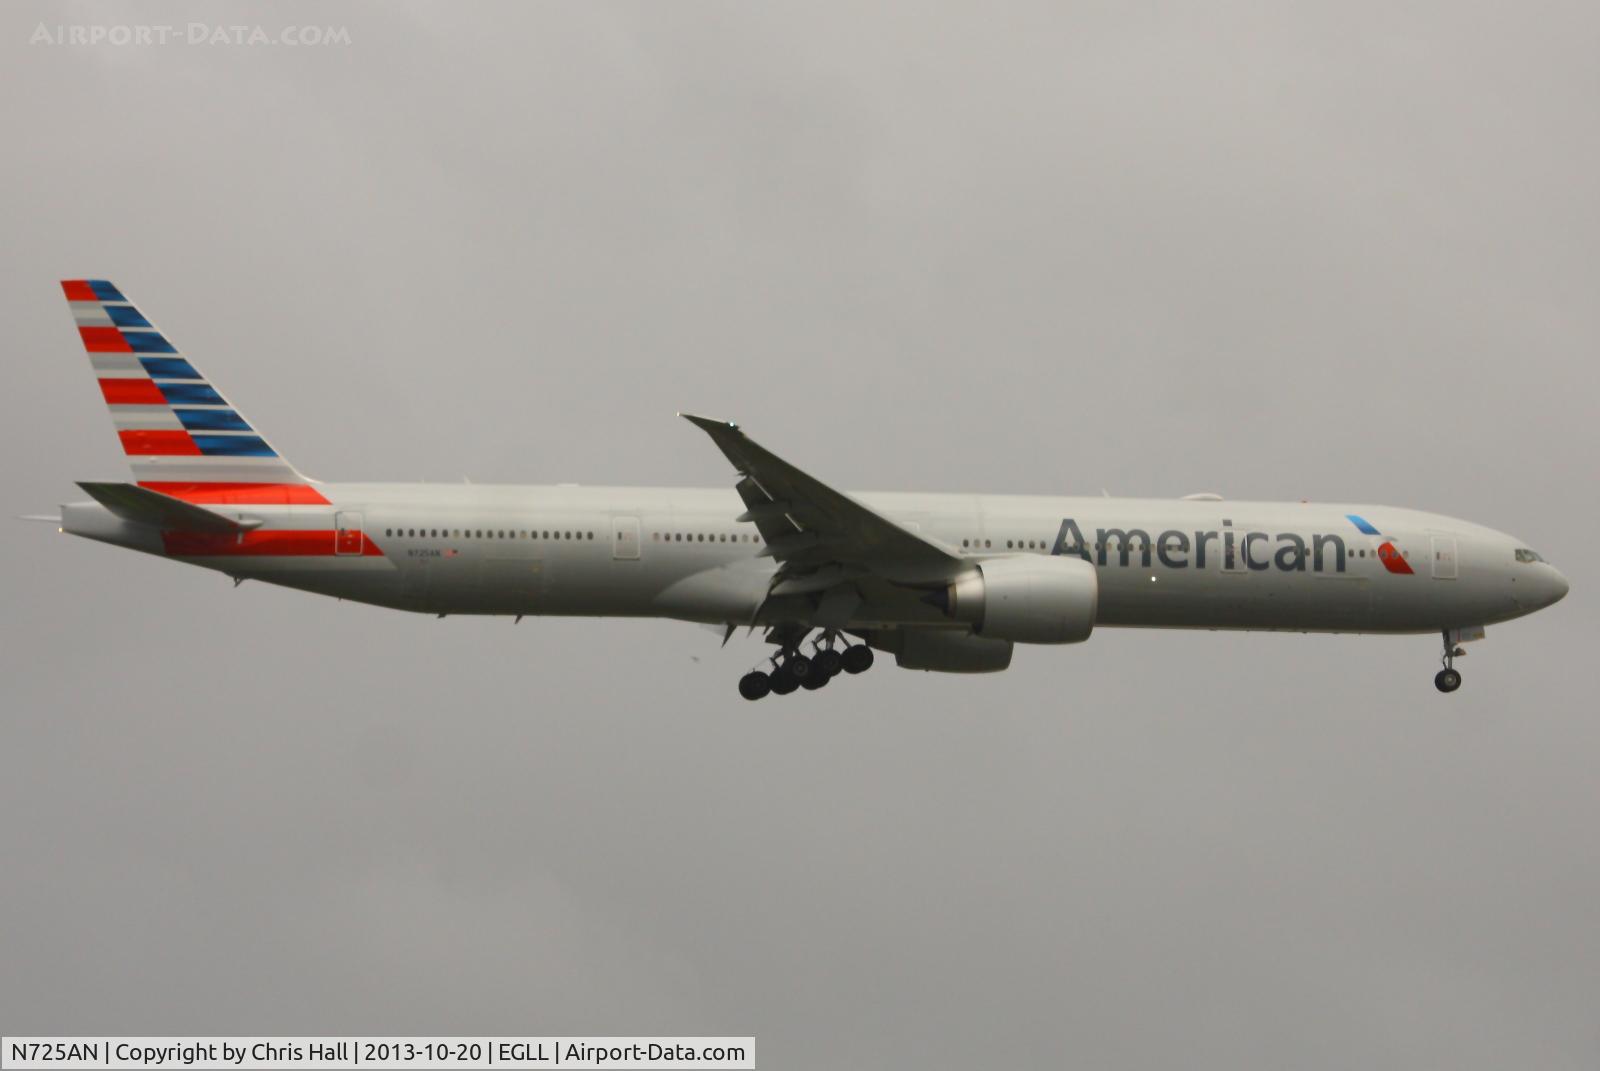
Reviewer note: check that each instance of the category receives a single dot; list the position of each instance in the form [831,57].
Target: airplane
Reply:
[943,582]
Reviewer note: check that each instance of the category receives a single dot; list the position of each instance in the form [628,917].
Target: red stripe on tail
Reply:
[243,494]
[104,340]
[167,443]
[131,392]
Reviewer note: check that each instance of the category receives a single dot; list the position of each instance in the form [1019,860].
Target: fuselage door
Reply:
[625,539]
[1444,558]
[347,532]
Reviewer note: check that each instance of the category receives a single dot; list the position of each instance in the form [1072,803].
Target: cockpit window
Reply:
[1526,555]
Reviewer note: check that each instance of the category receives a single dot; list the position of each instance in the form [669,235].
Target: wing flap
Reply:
[770,516]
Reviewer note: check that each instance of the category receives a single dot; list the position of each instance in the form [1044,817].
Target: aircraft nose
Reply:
[1557,587]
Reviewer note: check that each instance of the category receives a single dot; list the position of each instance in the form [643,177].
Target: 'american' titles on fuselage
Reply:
[1289,552]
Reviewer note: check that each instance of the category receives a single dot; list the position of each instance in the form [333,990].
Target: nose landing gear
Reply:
[1448,679]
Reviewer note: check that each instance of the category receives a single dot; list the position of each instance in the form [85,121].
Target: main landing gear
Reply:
[792,670]
[1448,679]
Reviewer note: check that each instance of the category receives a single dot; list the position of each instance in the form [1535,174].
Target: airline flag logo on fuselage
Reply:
[1391,558]
[1237,549]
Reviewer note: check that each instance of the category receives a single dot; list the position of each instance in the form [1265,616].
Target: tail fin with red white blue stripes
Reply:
[181,436]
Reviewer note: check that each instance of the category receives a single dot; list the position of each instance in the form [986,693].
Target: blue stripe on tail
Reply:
[233,446]
[126,316]
[190,394]
[211,420]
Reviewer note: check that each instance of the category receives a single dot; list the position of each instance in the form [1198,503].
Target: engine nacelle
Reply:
[944,650]
[1027,598]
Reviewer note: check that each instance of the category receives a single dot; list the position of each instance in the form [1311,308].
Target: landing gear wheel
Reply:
[783,682]
[827,662]
[755,685]
[798,666]
[814,680]
[1447,679]
[857,659]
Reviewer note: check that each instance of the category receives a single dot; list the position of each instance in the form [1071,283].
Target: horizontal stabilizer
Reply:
[144,506]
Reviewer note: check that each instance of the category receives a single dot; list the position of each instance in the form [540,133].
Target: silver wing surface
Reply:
[826,543]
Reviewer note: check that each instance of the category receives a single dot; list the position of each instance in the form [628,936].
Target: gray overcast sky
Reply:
[1339,251]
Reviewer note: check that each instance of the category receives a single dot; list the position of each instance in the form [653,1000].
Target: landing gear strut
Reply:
[792,670]
[1448,679]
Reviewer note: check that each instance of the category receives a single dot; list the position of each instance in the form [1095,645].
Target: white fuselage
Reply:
[679,553]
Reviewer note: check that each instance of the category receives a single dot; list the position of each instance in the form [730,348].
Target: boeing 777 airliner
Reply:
[944,582]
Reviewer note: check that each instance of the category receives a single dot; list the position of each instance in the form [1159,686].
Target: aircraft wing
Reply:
[812,529]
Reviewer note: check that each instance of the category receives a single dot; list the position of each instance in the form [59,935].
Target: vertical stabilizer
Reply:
[181,436]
